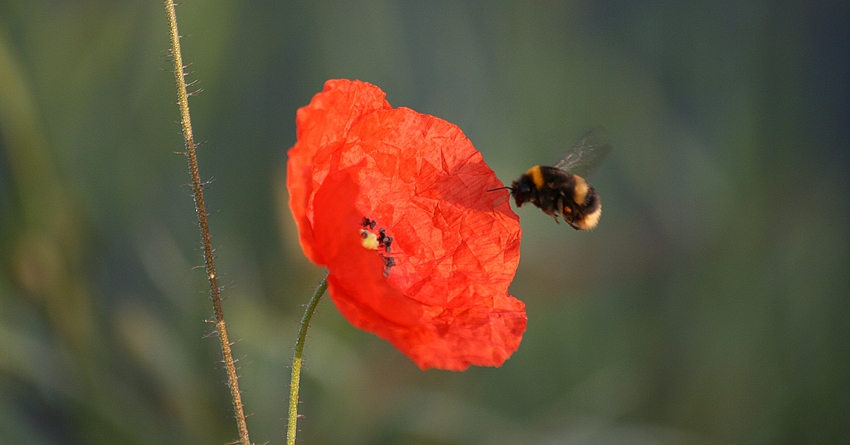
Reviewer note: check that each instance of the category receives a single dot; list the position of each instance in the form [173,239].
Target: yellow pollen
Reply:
[368,239]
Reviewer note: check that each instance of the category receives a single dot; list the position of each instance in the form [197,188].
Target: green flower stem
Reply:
[294,385]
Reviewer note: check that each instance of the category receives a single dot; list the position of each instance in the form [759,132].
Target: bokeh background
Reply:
[711,305]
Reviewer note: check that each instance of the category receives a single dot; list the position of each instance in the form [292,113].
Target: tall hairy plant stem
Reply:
[295,383]
[200,209]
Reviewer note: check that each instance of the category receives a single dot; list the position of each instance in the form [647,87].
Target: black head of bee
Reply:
[523,190]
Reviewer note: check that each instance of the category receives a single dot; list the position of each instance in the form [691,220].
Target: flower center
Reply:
[377,241]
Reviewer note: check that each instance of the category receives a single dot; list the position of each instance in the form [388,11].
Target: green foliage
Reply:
[709,306]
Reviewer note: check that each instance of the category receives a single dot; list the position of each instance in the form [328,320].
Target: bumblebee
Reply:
[559,190]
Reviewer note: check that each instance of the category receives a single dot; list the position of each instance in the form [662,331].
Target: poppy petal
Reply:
[318,125]
[438,288]
[355,282]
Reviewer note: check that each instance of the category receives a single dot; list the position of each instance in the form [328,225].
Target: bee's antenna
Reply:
[500,188]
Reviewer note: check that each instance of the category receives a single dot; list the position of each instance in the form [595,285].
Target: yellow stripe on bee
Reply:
[580,190]
[536,176]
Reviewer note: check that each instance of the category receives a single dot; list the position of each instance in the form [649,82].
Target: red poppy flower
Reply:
[395,204]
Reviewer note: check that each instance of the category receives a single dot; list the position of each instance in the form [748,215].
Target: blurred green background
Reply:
[711,305]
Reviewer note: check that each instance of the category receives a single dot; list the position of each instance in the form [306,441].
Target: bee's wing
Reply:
[585,156]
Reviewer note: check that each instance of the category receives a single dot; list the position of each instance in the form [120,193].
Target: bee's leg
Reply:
[551,213]
[559,205]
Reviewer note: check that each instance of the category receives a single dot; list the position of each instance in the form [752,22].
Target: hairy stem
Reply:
[200,209]
[296,361]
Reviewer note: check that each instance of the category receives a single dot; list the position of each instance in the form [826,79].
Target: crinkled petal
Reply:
[321,125]
[444,302]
